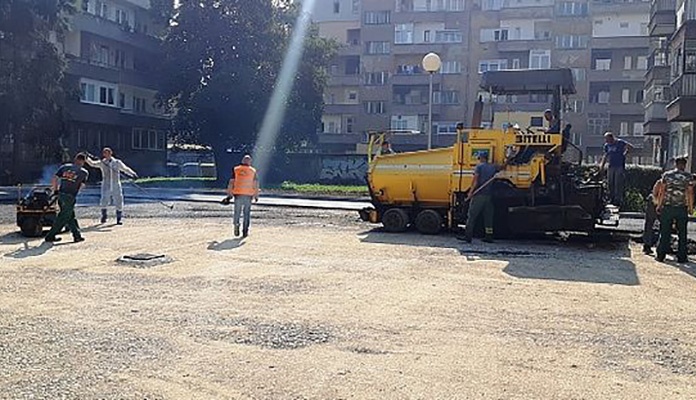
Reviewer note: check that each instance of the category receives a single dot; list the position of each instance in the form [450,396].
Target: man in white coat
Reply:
[111,191]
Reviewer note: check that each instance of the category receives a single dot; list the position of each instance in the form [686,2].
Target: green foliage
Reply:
[32,88]
[315,188]
[222,58]
[639,183]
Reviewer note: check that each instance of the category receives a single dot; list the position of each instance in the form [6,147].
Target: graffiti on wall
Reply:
[343,169]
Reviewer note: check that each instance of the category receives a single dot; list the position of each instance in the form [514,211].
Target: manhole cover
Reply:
[144,260]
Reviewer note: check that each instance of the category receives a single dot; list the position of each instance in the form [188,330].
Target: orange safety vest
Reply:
[244,177]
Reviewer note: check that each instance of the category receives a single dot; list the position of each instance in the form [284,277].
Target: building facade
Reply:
[111,49]
[672,78]
[377,81]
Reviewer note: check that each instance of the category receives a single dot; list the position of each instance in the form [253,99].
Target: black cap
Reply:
[680,160]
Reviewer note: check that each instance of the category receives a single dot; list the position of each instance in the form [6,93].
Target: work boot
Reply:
[647,250]
[51,239]
[103,218]
[236,230]
[245,234]
[78,239]
[488,239]
[119,216]
[464,238]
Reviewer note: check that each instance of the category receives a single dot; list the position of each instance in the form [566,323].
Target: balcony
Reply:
[85,68]
[620,42]
[344,80]
[682,106]
[658,75]
[415,79]
[524,45]
[663,18]
[655,111]
[112,30]
[350,49]
[541,12]
[615,75]
[614,108]
[116,116]
[422,48]
[344,108]
[619,7]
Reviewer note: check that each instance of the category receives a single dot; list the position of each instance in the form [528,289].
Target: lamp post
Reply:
[431,63]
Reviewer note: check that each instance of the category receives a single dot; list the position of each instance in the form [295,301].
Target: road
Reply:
[318,305]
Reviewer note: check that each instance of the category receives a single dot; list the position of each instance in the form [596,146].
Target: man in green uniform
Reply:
[67,182]
[480,199]
[674,207]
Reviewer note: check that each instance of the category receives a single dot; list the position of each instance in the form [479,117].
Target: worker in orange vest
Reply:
[244,187]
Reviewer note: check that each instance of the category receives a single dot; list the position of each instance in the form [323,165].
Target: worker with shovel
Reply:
[67,182]
[480,197]
[111,190]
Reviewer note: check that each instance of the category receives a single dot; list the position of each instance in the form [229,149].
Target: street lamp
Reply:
[431,63]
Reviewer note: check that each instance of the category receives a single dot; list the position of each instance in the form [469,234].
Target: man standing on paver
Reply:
[615,151]
[111,190]
[651,216]
[480,199]
[674,207]
[67,182]
[244,187]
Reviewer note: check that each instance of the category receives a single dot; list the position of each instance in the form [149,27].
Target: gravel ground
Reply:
[317,305]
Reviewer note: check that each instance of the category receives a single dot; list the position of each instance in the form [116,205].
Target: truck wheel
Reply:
[428,222]
[395,220]
[31,227]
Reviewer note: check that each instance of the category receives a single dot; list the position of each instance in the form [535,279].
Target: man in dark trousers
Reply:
[615,151]
[674,207]
[244,187]
[649,237]
[67,182]
[480,198]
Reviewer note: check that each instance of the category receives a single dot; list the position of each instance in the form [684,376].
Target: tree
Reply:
[222,58]
[32,90]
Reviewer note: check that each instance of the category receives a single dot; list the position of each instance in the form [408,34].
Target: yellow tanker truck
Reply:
[535,191]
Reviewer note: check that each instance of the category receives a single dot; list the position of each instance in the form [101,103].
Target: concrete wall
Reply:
[312,168]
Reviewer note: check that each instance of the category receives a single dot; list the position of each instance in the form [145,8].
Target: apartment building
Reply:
[670,108]
[605,43]
[111,50]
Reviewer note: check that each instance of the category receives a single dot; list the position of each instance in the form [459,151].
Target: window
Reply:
[102,10]
[623,129]
[121,17]
[492,65]
[143,139]
[576,106]
[626,96]
[399,124]
[349,124]
[374,107]
[448,36]
[538,98]
[88,92]
[122,100]
[377,47]
[536,121]
[571,41]
[120,58]
[356,7]
[597,123]
[403,34]
[603,64]
[451,67]
[642,63]
[377,17]
[690,61]
[637,129]
[571,8]
[623,25]
[639,96]
[451,5]
[491,4]
[376,78]
[603,97]
[336,6]
[352,95]
[628,62]
[106,95]
[139,104]
[446,97]
[579,74]
[426,36]
[539,59]
[500,35]
[515,63]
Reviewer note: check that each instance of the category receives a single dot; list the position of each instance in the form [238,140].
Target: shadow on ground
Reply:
[601,259]
[229,244]
[27,251]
